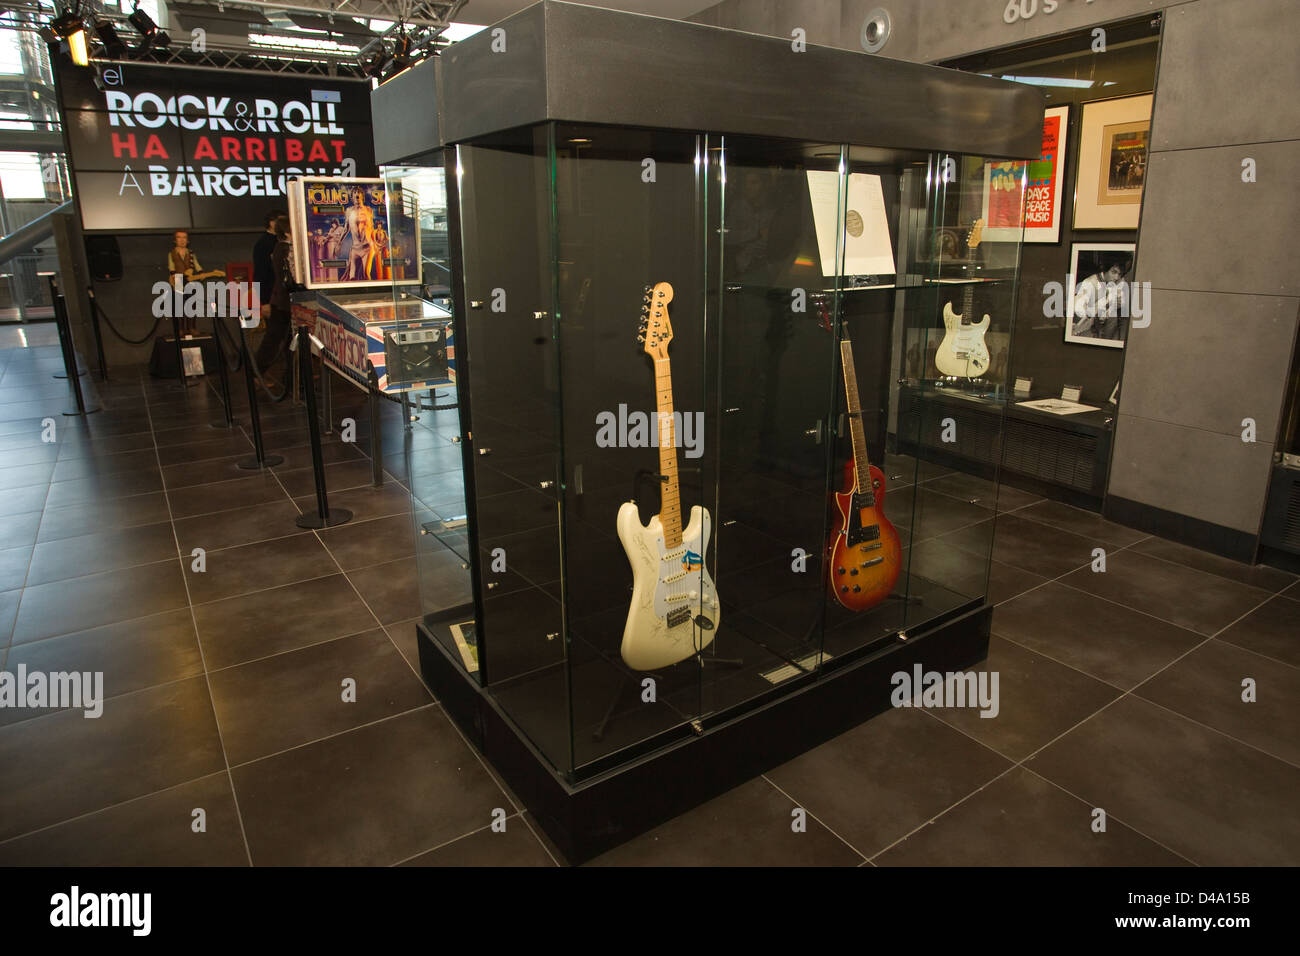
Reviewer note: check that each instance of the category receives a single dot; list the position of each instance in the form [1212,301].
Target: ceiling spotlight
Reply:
[72,29]
[113,44]
[373,64]
[401,54]
[149,32]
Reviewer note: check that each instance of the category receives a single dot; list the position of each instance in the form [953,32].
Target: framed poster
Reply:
[1044,184]
[1097,306]
[1114,138]
[353,233]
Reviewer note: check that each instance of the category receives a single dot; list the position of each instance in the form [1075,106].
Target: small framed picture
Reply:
[1098,289]
[1114,136]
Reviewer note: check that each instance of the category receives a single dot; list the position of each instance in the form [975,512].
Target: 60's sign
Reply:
[1025,9]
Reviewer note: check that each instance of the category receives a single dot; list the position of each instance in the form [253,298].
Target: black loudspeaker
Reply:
[104,257]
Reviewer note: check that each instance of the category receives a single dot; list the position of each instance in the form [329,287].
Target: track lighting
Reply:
[114,46]
[149,32]
[72,29]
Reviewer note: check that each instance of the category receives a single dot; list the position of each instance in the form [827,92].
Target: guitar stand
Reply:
[598,734]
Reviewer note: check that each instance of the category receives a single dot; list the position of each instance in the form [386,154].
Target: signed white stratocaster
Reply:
[962,353]
[675,610]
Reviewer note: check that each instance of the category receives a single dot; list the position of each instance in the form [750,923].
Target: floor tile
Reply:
[873,784]
[143,742]
[1086,524]
[69,469]
[1256,575]
[1272,630]
[359,544]
[132,655]
[18,531]
[1206,686]
[103,515]
[78,490]
[279,619]
[229,529]
[1028,545]
[255,567]
[1020,819]
[1207,797]
[290,699]
[515,846]
[258,488]
[156,830]
[1111,642]
[1200,602]
[372,796]
[392,590]
[14,563]
[77,604]
[982,492]
[18,476]
[91,553]
[748,826]
[365,502]
[1038,699]
[338,477]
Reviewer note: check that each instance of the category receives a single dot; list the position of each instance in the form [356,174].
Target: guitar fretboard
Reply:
[861,464]
[670,509]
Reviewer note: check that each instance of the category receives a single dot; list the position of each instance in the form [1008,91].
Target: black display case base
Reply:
[588,817]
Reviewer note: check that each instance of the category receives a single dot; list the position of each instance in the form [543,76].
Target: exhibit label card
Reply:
[868,250]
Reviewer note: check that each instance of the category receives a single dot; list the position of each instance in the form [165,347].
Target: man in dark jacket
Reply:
[263,272]
[277,303]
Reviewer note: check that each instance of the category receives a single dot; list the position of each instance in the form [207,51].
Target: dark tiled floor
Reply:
[277,691]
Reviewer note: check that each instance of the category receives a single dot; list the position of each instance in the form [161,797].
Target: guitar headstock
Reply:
[976,235]
[656,329]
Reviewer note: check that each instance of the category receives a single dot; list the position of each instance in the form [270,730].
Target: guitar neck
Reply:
[670,508]
[861,464]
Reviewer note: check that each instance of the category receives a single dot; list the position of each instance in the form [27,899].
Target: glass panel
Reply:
[509,372]
[623,226]
[777,363]
[422,350]
[956,388]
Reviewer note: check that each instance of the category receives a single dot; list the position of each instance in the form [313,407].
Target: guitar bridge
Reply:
[680,616]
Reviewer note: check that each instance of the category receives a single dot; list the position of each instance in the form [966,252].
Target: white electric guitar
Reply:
[675,610]
[962,353]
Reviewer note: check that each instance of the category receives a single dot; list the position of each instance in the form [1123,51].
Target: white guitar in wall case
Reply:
[962,353]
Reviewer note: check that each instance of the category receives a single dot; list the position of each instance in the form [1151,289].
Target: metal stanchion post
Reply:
[69,351]
[322,517]
[228,420]
[259,459]
[63,334]
[99,336]
[376,430]
[326,385]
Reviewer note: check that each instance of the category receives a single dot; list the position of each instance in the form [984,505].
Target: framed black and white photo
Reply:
[1097,296]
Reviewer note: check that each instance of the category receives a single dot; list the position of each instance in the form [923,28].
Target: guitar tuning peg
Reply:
[641,339]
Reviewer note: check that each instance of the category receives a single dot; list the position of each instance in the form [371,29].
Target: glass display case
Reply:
[678,354]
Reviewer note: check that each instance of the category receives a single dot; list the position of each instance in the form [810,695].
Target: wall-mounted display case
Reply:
[676,549]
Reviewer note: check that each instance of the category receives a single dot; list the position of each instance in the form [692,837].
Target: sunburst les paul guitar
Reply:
[864,552]
[962,353]
[675,610]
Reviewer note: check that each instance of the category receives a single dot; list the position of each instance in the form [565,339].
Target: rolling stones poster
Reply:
[354,233]
[1043,184]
